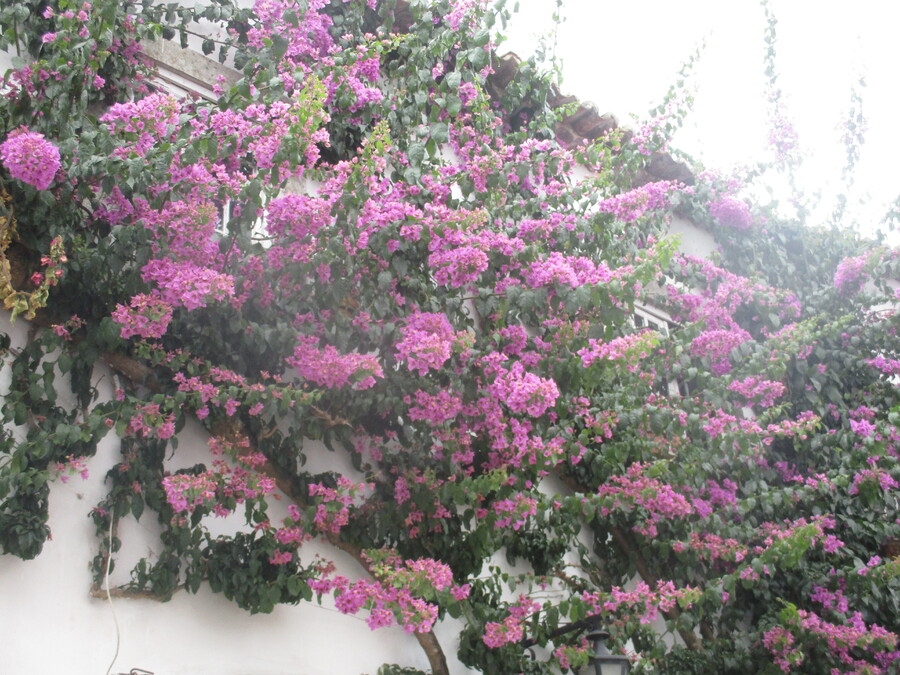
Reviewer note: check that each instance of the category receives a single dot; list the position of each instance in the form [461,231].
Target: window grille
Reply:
[646,317]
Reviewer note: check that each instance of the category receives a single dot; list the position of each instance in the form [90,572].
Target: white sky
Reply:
[624,55]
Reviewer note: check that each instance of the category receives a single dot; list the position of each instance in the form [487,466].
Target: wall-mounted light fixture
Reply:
[603,662]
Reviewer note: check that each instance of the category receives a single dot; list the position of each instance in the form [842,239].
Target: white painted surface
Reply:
[51,625]
[694,240]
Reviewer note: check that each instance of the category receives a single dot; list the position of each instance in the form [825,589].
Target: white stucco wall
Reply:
[695,241]
[5,62]
[50,623]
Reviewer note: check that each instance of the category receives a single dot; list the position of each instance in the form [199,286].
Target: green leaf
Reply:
[279,46]
[137,506]
[439,132]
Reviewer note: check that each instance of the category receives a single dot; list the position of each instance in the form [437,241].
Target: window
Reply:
[654,319]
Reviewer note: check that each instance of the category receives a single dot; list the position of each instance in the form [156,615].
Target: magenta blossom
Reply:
[731,212]
[30,157]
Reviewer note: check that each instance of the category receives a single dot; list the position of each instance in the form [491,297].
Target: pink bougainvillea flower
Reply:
[30,157]
[731,212]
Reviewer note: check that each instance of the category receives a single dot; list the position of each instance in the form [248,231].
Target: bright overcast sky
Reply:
[624,55]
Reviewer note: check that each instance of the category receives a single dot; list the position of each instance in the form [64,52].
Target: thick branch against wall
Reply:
[231,429]
[626,548]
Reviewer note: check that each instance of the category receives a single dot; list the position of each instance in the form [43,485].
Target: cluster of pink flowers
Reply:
[332,510]
[836,601]
[511,441]
[780,643]
[463,10]
[812,530]
[866,650]
[731,212]
[524,392]
[387,211]
[711,547]
[401,490]
[459,266]
[863,428]
[186,284]
[467,93]
[851,274]
[142,122]
[436,574]
[570,657]
[460,244]
[876,476]
[183,228]
[716,495]
[805,423]
[718,422]
[517,340]
[435,409]
[397,595]
[631,205]
[186,492]
[354,85]
[635,489]
[52,265]
[724,293]
[147,317]
[274,124]
[644,601]
[717,345]
[291,533]
[427,343]
[514,512]
[708,546]
[842,640]
[872,563]
[564,270]
[814,482]
[534,229]
[628,349]
[603,422]
[783,138]
[306,32]
[71,466]
[724,494]
[149,422]
[281,557]
[206,390]
[297,216]
[30,157]
[327,367]
[66,329]
[757,390]
[387,605]
[889,367]
[510,630]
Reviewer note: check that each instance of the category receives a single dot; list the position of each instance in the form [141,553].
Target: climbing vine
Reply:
[414,277]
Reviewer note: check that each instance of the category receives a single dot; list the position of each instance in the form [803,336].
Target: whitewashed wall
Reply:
[51,625]
[5,62]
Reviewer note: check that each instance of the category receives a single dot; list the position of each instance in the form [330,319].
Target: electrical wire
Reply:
[112,518]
